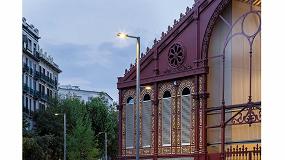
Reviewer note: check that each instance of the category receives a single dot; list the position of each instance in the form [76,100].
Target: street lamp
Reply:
[106,158]
[64,133]
[124,36]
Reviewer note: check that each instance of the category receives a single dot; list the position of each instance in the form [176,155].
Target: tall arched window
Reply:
[130,123]
[166,119]
[185,116]
[146,121]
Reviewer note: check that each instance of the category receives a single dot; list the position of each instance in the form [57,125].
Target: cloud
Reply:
[80,35]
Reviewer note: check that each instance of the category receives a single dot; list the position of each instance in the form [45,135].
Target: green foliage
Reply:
[81,138]
[84,122]
[104,120]
[31,149]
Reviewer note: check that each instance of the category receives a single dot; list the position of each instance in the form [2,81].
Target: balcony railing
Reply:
[30,70]
[25,68]
[46,79]
[44,97]
[37,94]
[25,88]
[37,74]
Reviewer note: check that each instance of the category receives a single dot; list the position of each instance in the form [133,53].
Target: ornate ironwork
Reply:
[250,114]
[176,55]
[237,153]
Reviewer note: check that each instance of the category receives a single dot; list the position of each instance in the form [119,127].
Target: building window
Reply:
[146,121]
[35,105]
[130,123]
[35,85]
[35,48]
[166,119]
[185,117]
[31,81]
[26,81]
[29,44]
[26,104]
[30,106]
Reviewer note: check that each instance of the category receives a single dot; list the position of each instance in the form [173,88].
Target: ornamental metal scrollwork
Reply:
[176,55]
[251,114]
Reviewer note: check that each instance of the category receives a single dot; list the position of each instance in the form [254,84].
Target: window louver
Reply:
[185,120]
[166,122]
[129,125]
[146,123]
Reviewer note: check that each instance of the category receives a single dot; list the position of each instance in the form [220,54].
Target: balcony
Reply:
[37,74]
[37,94]
[47,79]
[44,97]
[25,68]
[31,71]
[25,88]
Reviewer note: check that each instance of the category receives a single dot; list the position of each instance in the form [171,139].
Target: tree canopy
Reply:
[84,122]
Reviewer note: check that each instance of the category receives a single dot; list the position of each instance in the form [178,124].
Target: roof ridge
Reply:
[176,23]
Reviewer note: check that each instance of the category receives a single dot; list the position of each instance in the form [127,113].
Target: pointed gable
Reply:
[178,52]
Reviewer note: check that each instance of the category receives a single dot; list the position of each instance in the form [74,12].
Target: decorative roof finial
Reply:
[147,49]
[162,34]
[187,9]
[169,28]
[154,41]
[175,21]
[181,16]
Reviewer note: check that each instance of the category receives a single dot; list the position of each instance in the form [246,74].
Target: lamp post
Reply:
[124,36]
[105,143]
[64,133]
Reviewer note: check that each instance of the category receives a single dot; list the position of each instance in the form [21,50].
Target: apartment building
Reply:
[40,73]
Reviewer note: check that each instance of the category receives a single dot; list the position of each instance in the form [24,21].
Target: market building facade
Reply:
[205,97]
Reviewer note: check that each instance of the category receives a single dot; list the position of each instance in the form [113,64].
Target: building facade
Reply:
[40,73]
[205,101]
[69,91]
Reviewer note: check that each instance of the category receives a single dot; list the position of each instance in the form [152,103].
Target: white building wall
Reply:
[83,95]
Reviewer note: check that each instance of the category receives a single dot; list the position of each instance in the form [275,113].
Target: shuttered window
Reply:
[146,123]
[130,124]
[166,121]
[185,119]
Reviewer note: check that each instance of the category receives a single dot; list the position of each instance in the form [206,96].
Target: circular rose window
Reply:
[176,55]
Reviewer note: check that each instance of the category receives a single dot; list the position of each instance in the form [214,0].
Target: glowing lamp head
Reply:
[148,87]
[56,114]
[122,35]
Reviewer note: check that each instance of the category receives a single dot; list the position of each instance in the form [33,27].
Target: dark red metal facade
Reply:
[193,30]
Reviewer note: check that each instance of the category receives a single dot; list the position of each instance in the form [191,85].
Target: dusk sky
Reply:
[80,35]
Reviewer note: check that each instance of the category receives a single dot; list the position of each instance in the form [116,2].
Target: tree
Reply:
[84,122]
[81,139]
[104,120]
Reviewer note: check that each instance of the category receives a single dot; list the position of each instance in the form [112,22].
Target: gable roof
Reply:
[164,36]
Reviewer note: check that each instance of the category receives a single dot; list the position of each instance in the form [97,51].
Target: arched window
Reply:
[185,116]
[166,119]
[129,122]
[166,94]
[186,91]
[146,97]
[146,121]
[130,100]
